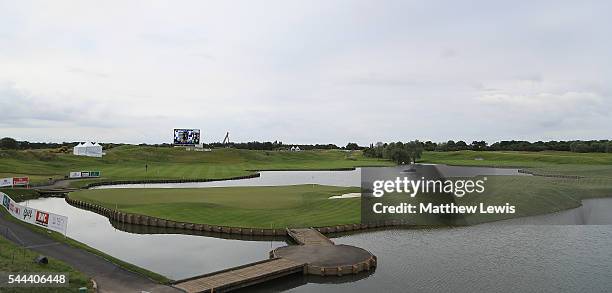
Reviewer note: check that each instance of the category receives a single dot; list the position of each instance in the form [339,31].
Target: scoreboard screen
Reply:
[186,136]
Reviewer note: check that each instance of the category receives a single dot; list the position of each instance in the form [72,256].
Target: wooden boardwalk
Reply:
[309,237]
[241,276]
[316,255]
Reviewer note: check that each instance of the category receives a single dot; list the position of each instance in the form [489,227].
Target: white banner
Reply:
[6,182]
[75,174]
[48,220]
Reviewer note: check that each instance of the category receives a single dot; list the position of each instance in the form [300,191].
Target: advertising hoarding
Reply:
[42,218]
[6,182]
[85,174]
[21,181]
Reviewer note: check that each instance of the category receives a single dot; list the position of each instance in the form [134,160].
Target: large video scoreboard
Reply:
[186,136]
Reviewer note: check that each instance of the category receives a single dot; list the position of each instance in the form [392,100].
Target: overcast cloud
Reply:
[305,71]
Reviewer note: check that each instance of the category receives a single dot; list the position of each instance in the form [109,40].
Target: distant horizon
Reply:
[316,143]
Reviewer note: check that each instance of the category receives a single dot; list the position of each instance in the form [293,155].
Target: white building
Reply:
[88,149]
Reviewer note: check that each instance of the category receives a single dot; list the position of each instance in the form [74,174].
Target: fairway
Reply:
[252,207]
[128,163]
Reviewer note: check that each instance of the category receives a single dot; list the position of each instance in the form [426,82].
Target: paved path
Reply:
[108,276]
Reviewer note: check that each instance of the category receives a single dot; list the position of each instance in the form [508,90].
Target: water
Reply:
[498,256]
[483,258]
[173,255]
[335,178]
[266,178]
[517,255]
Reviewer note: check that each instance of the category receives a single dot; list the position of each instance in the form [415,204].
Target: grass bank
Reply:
[253,207]
[592,165]
[21,194]
[14,258]
[128,163]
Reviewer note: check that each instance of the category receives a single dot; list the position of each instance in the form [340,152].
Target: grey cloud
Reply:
[21,109]
[88,73]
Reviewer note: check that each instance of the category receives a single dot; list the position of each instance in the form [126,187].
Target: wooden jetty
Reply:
[242,276]
[309,237]
[315,254]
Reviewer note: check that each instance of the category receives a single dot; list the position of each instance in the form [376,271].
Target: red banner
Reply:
[21,181]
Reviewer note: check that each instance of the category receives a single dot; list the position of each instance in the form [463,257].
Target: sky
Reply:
[305,71]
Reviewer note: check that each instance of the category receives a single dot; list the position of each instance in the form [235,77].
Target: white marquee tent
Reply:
[90,149]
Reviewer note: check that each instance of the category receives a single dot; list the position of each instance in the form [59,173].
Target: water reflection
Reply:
[482,258]
[266,178]
[334,178]
[291,282]
[176,256]
[140,229]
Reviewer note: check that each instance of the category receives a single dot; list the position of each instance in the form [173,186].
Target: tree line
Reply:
[8,143]
[399,152]
[578,146]
[374,150]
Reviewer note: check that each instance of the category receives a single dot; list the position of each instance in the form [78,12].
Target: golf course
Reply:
[583,176]
[158,163]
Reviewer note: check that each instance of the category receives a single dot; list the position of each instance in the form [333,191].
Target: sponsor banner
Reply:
[45,219]
[6,201]
[6,182]
[21,181]
[84,174]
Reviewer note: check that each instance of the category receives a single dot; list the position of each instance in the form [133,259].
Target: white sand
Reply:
[347,195]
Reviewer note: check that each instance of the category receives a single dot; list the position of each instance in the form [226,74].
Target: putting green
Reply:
[256,207]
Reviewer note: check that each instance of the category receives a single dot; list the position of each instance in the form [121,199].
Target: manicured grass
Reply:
[303,206]
[534,195]
[128,163]
[596,165]
[20,194]
[17,259]
[308,205]
[261,207]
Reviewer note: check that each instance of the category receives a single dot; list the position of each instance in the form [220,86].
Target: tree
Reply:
[8,143]
[479,145]
[352,146]
[609,147]
[461,145]
[415,150]
[450,145]
[579,147]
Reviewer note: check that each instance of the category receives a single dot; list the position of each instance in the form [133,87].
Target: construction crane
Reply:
[226,140]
